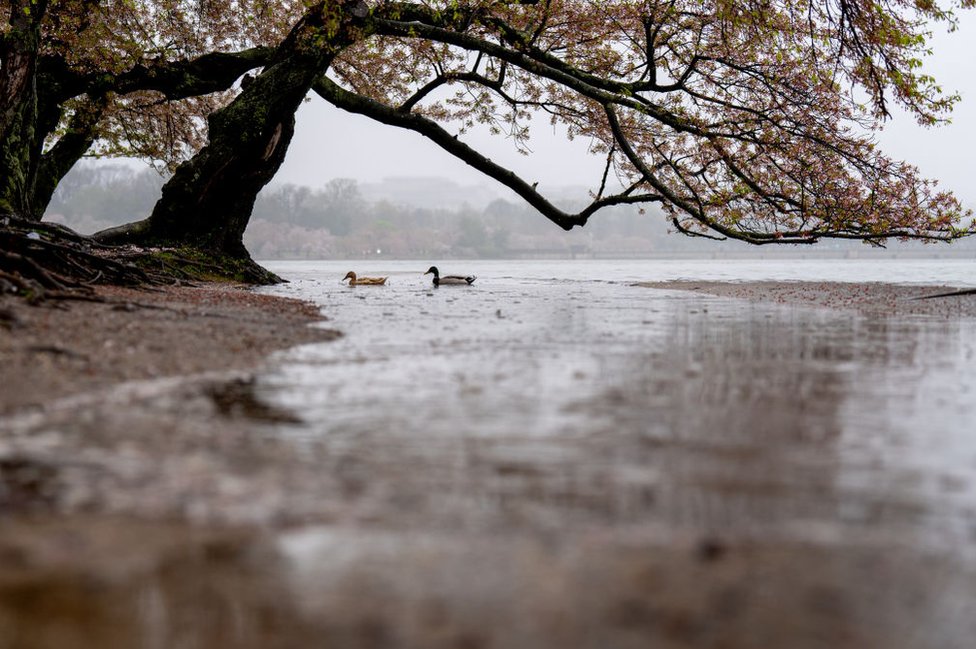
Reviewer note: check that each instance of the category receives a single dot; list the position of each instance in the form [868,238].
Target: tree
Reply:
[735,117]
[209,200]
[19,45]
[743,120]
[115,78]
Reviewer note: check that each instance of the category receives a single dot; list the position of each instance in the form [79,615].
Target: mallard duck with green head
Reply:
[450,280]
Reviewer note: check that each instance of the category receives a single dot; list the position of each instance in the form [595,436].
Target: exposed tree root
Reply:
[41,261]
[38,261]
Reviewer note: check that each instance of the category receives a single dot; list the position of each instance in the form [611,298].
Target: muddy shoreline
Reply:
[863,297]
[69,347]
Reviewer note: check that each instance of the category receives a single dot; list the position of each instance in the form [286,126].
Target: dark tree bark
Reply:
[18,102]
[53,165]
[208,201]
[28,174]
[56,83]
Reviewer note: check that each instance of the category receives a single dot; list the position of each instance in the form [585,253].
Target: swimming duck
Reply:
[363,281]
[449,279]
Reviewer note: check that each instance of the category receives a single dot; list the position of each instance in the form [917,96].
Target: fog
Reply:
[331,143]
[945,152]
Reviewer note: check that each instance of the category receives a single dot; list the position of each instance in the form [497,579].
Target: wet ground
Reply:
[528,462]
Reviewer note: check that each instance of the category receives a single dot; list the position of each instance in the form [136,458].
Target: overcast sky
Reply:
[330,143]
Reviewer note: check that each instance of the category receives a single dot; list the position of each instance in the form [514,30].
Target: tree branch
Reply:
[444,79]
[352,102]
[205,74]
[70,147]
[544,65]
[692,209]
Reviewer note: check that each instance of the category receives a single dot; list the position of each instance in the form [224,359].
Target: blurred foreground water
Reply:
[554,457]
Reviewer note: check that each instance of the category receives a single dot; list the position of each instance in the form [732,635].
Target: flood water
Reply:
[588,427]
[551,392]
[554,457]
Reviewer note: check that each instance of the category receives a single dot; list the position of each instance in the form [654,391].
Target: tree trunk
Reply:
[208,202]
[57,82]
[70,147]
[18,105]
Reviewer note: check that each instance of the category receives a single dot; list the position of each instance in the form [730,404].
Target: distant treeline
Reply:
[93,197]
[339,221]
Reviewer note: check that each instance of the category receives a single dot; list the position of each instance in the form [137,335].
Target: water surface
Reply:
[555,427]
[554,390]
[552,457]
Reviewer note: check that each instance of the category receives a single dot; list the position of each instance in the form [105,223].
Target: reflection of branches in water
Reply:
[777,394]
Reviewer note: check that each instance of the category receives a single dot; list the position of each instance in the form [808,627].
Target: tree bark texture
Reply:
[58,161]
[28,174]
[18,103]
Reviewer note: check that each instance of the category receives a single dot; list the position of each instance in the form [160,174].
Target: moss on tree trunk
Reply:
[18,105]
[16,168]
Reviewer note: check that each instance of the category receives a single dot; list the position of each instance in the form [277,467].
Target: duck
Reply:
[363,281]
[460,280]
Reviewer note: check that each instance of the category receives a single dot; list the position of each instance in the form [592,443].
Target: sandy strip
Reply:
[873,298]
[70,347]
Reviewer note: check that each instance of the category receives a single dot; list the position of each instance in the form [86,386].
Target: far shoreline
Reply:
[877,298]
